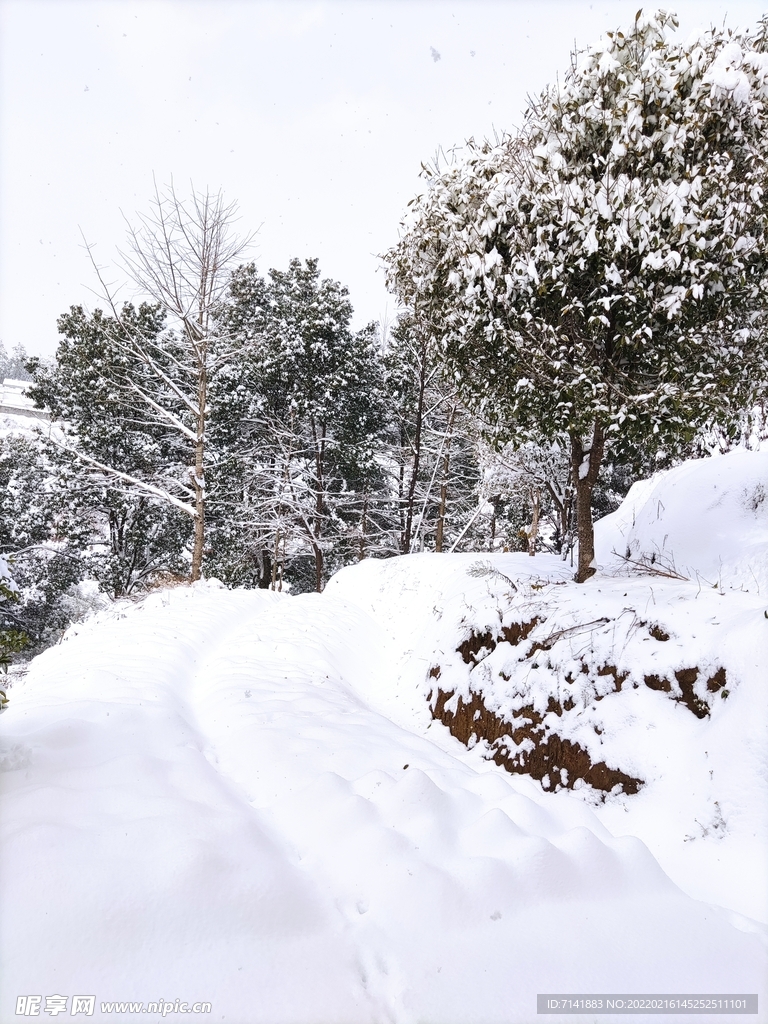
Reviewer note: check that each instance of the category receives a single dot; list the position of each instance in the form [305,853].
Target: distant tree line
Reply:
[250,405]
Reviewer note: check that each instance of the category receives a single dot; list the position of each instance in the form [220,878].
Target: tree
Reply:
[104,479]
[180,255]
[13,365]
[308,407]
[430,448]
[13,636]
[602,274]
[535,479]
[410,380]
[42,540]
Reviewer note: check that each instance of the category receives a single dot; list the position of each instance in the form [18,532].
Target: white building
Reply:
[14,401]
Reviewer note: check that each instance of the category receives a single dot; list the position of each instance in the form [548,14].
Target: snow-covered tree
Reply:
[40,542]
[307,406]
[414,395]
[430,444]
[180,255]
[13,635]
[602,274]
[535,479]
[100,490]
[13,364]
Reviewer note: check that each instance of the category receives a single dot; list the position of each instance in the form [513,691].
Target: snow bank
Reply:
[706,520]
[658,685]
[241,797]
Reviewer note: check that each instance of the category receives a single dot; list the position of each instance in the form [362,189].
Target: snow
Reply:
[13,394]
[18,414]
[706,519]
[242,797]
[725,73]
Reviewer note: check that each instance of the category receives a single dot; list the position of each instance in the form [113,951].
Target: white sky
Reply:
[314,116]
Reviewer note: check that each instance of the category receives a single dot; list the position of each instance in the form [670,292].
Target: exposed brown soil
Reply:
[550,754]
[477,642]
[618,677]
[717,681]
[549,757]
[657,683]
[686,678]
[658,633]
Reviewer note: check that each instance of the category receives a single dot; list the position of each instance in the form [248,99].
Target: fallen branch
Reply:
[666,571]
[583,627]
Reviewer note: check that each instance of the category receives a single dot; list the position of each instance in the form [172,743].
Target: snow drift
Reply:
[706,520]
[247,798]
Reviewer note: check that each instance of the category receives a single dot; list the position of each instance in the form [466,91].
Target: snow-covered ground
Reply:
[243,797]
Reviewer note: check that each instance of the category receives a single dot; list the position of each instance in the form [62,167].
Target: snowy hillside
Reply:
[289,807]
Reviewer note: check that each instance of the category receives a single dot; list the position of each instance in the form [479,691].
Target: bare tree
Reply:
[180,256]
[539,474]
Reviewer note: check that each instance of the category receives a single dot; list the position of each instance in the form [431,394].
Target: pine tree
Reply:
[602,274]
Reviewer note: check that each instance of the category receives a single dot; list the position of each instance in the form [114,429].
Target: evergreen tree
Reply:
[310,406]
[42,539]
[602,275]
[125,534]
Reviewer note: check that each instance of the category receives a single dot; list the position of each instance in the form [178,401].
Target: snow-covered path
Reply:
[201,802]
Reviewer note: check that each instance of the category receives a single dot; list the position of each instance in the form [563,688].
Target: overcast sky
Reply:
[313,116]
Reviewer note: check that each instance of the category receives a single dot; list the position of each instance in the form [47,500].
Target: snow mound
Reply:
[644,697]
[230,796]
[706,520]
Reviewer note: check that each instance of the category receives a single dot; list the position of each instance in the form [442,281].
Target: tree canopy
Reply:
[601,274]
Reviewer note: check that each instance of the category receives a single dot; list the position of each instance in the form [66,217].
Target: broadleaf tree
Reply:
[601,274]
[309,407]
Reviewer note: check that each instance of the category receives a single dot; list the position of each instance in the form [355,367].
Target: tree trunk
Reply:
[444,484]
[405,540]
[264,563]
[585,466]
[318,567]
[363,526]
[319,440]
[533,533]
[275,561]
[441,517]
[198,479]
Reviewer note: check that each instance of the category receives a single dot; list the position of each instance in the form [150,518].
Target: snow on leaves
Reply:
[606,251]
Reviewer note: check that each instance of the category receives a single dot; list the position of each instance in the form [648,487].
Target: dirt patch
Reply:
[686,677]
[658,683]
[659,634]
[619,678]
[717,681]
[522,743]
[686,680]
[514,634]
[554,761]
